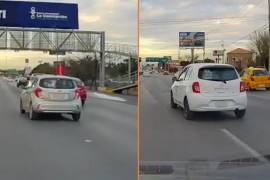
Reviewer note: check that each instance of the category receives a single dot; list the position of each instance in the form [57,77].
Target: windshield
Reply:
[260,73]
[217,74]
[55,83]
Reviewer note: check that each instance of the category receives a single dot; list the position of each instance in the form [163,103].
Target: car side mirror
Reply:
[181,79]
[174,79]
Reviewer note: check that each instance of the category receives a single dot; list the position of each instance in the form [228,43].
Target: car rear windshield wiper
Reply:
[219,80]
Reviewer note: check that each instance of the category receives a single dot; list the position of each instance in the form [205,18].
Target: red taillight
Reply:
[37,92]
[269,78]
[196,87]
[242,87]
[252,79]
[77,93]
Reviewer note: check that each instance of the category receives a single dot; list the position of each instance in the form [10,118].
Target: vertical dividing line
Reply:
[138,97]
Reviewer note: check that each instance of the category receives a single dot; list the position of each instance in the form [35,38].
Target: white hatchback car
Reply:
[209,87]
[50,94]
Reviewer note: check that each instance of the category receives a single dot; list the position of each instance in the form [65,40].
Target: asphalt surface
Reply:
[101,146]
[167,138]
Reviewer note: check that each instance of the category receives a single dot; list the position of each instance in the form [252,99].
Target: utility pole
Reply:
[269,36]
[192,55]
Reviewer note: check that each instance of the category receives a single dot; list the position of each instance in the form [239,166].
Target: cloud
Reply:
[84,18]
[222,20]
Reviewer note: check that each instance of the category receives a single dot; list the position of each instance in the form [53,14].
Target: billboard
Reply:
[191,39]
[38,15]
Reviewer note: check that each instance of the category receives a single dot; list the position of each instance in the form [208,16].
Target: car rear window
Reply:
[57,83]
[218,73]
[79,83]
[260,73]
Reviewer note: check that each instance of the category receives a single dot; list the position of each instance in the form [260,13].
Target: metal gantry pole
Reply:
[269,36]
[102,61]
[129,69]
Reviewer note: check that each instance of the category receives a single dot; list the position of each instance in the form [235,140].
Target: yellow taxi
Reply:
[256,78]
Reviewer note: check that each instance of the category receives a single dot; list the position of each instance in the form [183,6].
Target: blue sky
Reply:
[225,22]
[118,18]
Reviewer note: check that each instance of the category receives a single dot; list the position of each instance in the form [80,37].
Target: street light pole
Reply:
[269,36]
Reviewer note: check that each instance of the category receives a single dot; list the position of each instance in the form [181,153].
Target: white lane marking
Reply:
[87,140]
[244,146]
[108,97]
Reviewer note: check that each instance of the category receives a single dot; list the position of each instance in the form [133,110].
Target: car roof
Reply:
[200,65]
[53,76]
[252,68]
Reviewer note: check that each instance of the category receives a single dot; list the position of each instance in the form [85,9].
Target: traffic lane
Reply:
[166,136]
[63,149]
[201,138]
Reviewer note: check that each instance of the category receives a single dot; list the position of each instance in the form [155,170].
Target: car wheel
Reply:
[188,115]
[22,111]
[173,105]
[76,116]
[267,89]
[240,113]
[32,114]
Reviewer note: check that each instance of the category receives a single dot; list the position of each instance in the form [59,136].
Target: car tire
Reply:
[32,114]
[173,105]
[76,116]
[240,113]
[188,115]
[22,111]
[267,89]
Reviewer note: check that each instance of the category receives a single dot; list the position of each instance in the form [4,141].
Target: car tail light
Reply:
[37,92]
[269,78]
[252,79]
[196,87]
[242,87]
[77,93]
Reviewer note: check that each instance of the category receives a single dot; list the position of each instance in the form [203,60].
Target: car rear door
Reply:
[178,85]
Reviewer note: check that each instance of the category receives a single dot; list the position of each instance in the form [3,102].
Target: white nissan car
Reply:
[51,94]
[209,87]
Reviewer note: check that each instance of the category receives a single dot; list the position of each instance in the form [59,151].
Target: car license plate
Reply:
[58,96]
[221,104]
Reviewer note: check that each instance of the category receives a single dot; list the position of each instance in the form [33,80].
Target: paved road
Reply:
[167,137]
[101,146]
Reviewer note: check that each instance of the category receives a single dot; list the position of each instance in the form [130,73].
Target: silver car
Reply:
[50,94]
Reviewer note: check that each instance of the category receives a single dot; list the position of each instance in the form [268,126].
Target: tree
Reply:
[44,68]
[260,45]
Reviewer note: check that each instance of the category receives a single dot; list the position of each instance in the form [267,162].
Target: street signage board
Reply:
[39,15]
[191,40]
[218,53]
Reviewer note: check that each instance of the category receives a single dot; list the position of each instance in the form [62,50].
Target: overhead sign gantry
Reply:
[44,26]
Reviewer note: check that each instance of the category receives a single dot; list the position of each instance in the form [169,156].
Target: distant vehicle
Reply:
[209,87]
[166,73]
[256,78]
[81,89]
[21,81]
[51,94]
[176,75]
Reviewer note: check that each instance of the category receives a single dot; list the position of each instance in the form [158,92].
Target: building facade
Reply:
[239,58]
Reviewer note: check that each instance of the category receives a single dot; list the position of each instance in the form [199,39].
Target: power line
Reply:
[203,20]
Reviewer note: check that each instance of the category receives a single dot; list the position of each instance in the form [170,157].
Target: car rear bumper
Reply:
[255,85]
[201,103]
[57,107]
